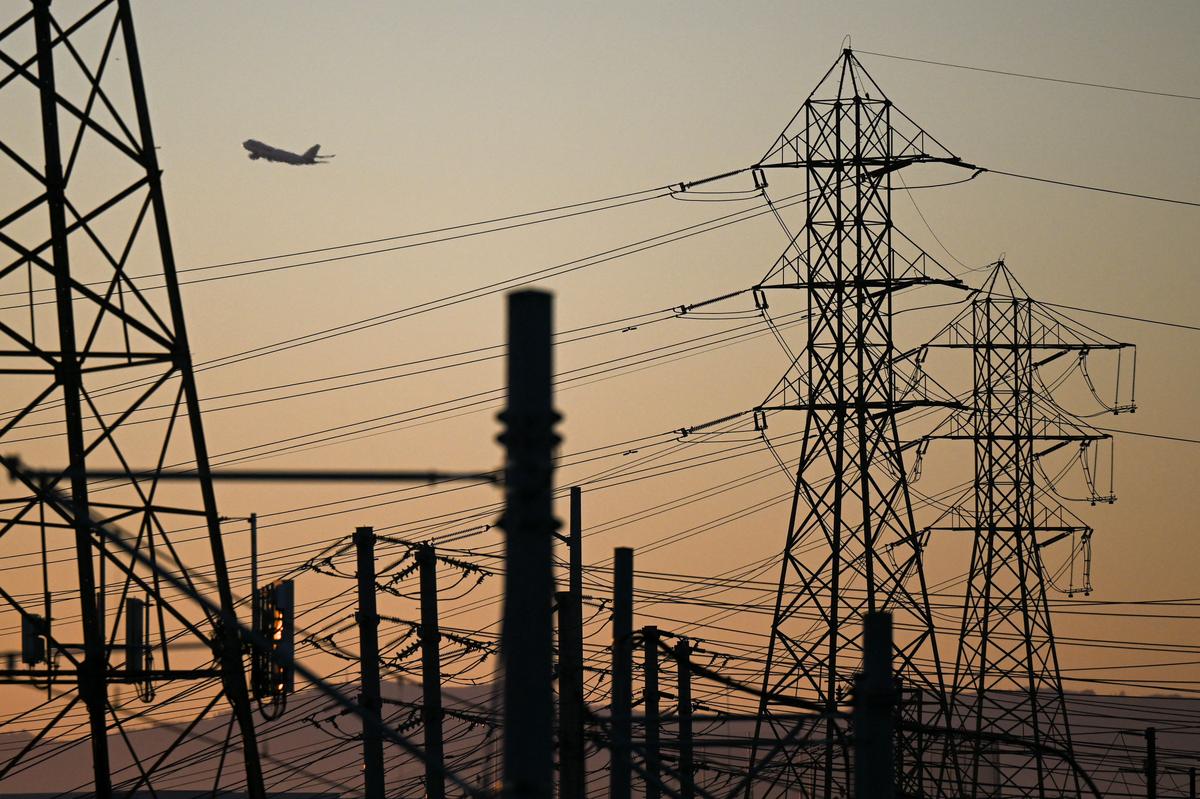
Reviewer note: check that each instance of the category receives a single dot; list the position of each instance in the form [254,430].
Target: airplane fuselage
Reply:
[266,152]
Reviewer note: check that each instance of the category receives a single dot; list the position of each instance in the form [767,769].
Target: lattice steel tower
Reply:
[98,375]
[851,493]
[1006,676]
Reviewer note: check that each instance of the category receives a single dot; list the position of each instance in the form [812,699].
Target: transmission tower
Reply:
[851,494]
[1006,676]
[98,375]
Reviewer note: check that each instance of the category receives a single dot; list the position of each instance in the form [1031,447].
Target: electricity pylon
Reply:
[1006,676]
[851,496]
[98,375]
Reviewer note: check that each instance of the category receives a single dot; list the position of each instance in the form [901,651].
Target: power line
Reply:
[1030,76]
[620,325]
[1101,189]
[478,292]
[1180,439]
[1147,320]
[617,201]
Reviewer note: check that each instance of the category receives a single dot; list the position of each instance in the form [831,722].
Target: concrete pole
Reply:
[431,676]
[527,634]
[1151,763]
[874,701]
[620,774]
[650,697]
[572,765]
[369,698]
[687,768]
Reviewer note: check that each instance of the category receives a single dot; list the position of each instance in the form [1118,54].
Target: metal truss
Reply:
[1006,675]
[851,499]
[98,375]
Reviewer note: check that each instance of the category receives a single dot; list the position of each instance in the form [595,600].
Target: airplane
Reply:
[267,152]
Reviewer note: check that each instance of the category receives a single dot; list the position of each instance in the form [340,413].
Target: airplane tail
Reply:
[311,153]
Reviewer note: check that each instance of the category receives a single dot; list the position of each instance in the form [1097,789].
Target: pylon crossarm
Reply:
[63,506]
[259,475]
[121,542]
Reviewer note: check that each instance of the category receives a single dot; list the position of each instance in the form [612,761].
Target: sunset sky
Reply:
[447,113]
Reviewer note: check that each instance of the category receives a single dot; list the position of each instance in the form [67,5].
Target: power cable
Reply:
[478,292]
[1101,189]
[1147,320]
[1030,76]
[1180,439]
[663,191]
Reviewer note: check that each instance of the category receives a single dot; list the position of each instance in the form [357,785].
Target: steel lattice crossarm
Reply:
[847,96]
[1049,330]
[1006,678]
[847,379]
[886,138]
[917,389]
[86,210]
[911,266]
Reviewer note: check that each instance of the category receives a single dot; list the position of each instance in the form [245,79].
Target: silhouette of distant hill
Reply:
[312,752]
[309,749]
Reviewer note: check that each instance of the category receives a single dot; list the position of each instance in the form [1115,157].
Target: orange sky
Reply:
[446,113]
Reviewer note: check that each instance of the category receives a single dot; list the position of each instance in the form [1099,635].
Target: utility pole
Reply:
[431,675]
[253,554]
[683,666]
[575,548]
[650,697]
[572,762]
[528,629]
[368,659]
[621,767]
[1151,763]
[572,766]
[874,701]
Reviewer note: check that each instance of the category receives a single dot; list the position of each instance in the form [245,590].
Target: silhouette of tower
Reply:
[1006,676]
[98,375]
[851,496]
